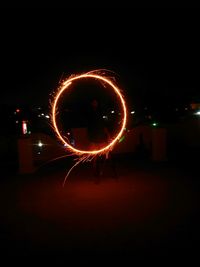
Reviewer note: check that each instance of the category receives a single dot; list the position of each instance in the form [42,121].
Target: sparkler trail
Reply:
[87,154]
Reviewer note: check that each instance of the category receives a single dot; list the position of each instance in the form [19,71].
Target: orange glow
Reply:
[66,86]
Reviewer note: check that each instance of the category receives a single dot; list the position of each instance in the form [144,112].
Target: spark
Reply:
[86,155]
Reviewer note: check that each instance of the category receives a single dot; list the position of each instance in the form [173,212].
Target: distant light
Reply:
[121,139]
[132,112]
[154,124]
[29,132]
[17,121]
[40,144]
[112,111]
[119,113]
[17,110]
[42,114]
[39,152]
[39,115]
[24,127]
[47,116]
[186,108]
[197,113]
[68,133]
[105,117]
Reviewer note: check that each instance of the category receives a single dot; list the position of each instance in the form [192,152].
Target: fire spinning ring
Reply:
[66,86]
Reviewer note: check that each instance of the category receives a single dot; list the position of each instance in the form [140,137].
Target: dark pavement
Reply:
[150,212]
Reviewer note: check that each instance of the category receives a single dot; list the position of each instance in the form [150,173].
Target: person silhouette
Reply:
[98,135]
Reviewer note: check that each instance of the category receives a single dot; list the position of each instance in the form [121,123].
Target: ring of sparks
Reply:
[65,86]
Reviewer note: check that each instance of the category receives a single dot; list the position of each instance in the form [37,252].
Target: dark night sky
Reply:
[155,52]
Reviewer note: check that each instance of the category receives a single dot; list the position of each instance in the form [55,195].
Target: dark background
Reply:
[154,52]
[152,210]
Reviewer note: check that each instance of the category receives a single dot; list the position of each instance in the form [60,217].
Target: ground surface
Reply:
[150,210]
